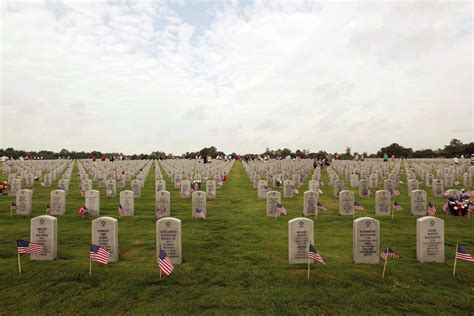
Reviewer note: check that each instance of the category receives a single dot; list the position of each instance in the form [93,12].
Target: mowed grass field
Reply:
[235,262]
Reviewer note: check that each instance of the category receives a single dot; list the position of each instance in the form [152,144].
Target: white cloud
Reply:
[137,77]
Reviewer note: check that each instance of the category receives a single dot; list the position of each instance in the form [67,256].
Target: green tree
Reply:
[455,148]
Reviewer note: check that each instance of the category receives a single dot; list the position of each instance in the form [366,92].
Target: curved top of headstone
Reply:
[454,191]
[167,219]
[429,218]
[48,217]
[346,192]
[105,218]
[297,219]
[366,218]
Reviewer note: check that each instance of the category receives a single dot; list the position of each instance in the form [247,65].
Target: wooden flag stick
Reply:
[455,258]
[11,210]
[90,266]
[393,208]
[160,271]
[385,264]
[19,262]
[309,266]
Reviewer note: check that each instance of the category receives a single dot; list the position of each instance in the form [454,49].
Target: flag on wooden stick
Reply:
[164,263]
[24,246]
[431,209]
[99,254]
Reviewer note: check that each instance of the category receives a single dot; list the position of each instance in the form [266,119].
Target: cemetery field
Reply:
[234,262]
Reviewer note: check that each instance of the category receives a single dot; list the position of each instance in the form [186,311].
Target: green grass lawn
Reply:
[235,262]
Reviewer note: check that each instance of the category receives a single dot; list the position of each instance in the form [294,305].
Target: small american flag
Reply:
[266,189]
[48,209]
[160,212]
[390,253]
[321,207]
[164,263]
[280,209]
[99,254]
[357,206]
[462,254]
[13,207]
[24,246]
[313,254]
[396,192]
[295,190]
[199,213]
[320,191]
[397,206]
[431,209]
[84,211]
[369,193]
[121,210]
[109,192]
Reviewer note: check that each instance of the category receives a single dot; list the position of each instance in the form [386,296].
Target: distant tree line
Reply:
[453,149]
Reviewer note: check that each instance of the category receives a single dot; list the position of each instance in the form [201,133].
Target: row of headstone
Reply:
[383,203]
[44,231]
[366,240]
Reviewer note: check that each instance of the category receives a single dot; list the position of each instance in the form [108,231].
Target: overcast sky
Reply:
[242,76]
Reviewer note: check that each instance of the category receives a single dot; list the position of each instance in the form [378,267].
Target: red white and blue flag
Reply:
[164,263]
[99,254]
[24,246]
[357,206]
[199,213]
[397,206]
[462,254]
[313,254]
[322,207]
[84,211]
[160,212]
[121,210]
[280,209]
[431,209]
[388,252]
